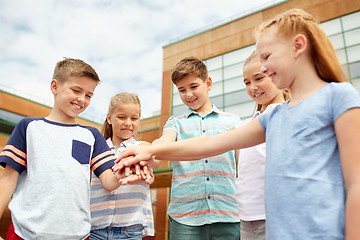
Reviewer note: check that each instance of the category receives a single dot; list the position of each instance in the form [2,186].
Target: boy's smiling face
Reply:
[72,97]
[193,92]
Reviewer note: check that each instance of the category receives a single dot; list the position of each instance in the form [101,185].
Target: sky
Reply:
[121,39]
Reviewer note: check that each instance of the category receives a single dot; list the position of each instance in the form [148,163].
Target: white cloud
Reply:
[121,39]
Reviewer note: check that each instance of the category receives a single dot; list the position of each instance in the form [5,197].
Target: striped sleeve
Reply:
[102,158]
[14,153]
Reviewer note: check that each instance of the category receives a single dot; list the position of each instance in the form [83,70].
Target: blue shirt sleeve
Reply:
[14,152]
[102,157]
[344,98]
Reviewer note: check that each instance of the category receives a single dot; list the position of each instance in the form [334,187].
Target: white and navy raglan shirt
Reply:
[52,197]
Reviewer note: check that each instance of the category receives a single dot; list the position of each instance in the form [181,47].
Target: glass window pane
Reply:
[356,83]
[213,63]
[355,70]
[218,101]
[238,55]
[176,99]
[233,71]
[236,97]
[234,84]
[337,41]
[179,109]
[346,71]
[351,21]
[232,57]
[331,27]
[216,75]
[352,37]
[244,110]
[217,89]
[354,53]
[341,56]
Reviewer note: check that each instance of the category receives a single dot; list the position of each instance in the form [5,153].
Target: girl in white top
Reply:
[126,212]
[251,164]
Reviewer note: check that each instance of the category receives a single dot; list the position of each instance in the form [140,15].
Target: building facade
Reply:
[223,48]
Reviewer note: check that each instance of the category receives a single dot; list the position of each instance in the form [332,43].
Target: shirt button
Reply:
[207,179]
[202,118]
[208,197]
[203,131]
[206,161]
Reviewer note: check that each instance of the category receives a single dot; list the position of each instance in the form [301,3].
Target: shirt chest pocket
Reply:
[81,152]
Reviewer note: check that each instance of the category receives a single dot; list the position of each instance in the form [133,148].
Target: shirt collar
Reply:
[268,109]
[190,112]
[124,144]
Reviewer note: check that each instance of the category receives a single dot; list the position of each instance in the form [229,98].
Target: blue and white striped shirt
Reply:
[203,191]
[126,206]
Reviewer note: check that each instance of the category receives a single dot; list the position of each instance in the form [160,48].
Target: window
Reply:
[228,92]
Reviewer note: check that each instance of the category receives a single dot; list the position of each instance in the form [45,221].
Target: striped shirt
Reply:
[126,206]
[203,191]
[52,197]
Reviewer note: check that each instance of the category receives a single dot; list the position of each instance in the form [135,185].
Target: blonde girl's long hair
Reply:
[285,92]
[118,99]
[297,21]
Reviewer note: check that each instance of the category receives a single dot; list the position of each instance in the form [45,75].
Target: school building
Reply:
[223,47]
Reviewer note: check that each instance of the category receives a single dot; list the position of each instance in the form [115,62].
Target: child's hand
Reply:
[128,176]
[148,175]
[133,155]
[136,174]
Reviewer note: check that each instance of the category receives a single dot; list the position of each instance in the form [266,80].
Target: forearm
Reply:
[109,181]
[190,149]
[4,200]
[8,181]
[195,148]
[352,214]
[206,146]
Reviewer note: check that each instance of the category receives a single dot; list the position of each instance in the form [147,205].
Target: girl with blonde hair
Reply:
[125,213]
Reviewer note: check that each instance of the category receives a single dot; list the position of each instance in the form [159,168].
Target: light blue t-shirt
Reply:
[304,187]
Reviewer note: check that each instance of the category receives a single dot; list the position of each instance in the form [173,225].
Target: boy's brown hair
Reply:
[189,66]
[70,67]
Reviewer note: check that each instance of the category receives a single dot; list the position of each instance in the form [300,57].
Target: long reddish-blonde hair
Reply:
[297,21]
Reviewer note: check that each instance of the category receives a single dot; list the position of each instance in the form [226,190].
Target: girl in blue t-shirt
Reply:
[312,172]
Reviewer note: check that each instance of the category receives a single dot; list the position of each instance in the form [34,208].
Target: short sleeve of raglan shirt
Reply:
[14,153]
[102,156]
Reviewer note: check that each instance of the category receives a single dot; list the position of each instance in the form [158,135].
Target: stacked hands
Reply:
[133,168]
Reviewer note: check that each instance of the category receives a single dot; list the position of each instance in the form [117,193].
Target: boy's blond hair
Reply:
[189,66]
[297,21]
[70,67]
